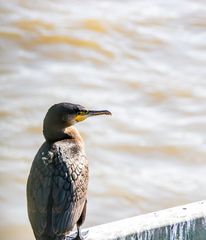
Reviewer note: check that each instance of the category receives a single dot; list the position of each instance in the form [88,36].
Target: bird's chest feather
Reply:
[62,172]
[70,170]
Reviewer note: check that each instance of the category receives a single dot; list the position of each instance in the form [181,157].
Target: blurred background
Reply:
[145,61]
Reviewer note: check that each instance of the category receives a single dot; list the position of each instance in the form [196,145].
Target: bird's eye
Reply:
[83,112]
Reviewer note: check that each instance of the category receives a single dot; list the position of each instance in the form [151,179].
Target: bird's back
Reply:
[57,188]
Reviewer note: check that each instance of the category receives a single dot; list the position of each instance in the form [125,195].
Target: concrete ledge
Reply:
[186,222]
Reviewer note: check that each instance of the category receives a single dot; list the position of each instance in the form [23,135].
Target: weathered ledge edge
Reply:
[187,222]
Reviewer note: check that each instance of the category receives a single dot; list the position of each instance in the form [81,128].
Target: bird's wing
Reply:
[38,189]
[56,188]
[69,185]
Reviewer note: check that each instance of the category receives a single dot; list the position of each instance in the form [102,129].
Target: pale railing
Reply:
[186,222]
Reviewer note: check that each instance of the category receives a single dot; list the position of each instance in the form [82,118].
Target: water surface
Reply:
[142,60]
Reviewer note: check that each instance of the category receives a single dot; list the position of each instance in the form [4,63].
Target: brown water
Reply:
[143,60]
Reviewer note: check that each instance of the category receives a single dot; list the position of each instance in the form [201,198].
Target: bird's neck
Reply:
[73,133]
[54,135]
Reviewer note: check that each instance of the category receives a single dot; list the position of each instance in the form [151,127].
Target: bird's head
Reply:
[63,115]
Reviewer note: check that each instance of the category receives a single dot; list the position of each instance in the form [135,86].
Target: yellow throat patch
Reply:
[80,117]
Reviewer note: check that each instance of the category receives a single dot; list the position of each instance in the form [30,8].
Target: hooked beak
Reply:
[96,113]
[85,114]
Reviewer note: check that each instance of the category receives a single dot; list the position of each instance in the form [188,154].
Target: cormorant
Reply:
[58,179]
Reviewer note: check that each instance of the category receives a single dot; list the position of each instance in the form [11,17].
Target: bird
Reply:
[58,180]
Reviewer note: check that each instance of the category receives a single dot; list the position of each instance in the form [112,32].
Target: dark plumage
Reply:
[58,179]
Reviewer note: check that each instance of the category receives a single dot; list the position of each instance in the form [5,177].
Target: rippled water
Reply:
[144,61]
